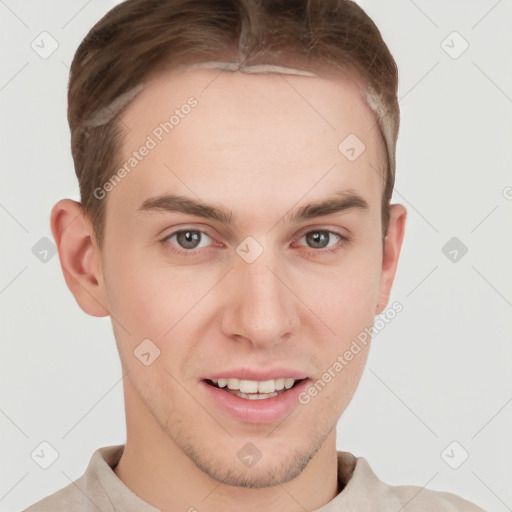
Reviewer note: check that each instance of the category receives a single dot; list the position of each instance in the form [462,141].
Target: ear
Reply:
[391,253]
[79,256]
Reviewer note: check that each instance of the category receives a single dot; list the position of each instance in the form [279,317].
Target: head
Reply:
[236,161]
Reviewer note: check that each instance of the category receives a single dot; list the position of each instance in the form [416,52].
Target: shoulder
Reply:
[90,492]
[418,499]
[364,491]
[66,499]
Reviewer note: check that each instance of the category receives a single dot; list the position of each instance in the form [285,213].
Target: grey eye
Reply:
[319,239]
[190,238]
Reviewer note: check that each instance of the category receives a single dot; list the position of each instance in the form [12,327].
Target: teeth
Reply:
[266,386]
[248,386]
[255,396]
[279,384]
[233,384]
[255,386]
[288,383]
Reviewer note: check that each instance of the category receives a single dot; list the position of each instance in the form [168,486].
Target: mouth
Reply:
[254,401]
[254,389]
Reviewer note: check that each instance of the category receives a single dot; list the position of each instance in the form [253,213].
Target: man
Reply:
[236,162]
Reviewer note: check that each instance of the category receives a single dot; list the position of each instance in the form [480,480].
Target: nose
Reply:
[261,308]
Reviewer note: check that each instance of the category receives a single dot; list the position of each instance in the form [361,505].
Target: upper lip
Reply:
[259,375]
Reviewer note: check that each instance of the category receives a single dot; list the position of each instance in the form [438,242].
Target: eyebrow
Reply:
[341,201]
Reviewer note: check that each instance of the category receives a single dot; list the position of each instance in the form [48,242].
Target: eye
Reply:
[322,239]
[187,242]
[189,239]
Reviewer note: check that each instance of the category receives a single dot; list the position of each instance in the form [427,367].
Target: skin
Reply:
[254,146]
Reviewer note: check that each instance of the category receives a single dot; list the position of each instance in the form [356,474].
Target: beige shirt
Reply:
[99,489]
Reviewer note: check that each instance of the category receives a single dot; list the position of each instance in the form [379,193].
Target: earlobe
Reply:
[391,254]
[79,256]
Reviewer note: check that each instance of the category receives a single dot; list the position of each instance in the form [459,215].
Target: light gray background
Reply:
[439,372]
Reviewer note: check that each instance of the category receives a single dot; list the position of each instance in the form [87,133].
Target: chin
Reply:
[269,473]
[258,464]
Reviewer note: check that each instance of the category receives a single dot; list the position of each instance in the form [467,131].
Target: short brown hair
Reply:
[138,37]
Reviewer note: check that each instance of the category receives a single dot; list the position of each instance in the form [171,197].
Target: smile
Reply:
[254,389]
[254,401]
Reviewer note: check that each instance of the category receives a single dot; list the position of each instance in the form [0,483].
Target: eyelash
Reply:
[344,239]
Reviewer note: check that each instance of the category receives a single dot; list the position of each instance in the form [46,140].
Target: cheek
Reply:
[344,296]
[152,299]
[137,298]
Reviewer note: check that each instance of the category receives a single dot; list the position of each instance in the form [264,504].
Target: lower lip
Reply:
[256,411]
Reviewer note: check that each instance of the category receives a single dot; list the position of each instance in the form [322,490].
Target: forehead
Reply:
[260,134]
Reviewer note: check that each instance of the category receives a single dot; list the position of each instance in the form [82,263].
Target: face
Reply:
[211,254]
